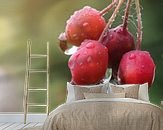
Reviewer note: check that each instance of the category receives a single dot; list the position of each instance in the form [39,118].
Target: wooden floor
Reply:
[17,126]
[14,121]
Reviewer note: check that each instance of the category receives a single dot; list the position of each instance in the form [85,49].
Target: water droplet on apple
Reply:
[143,66]
[74,35]
[97,63]
[90,45]
[81,63]
[89,59]
[132,56]
[99,53]
[85,24]
[111,36]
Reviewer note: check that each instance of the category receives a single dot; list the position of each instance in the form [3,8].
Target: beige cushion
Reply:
[143,92]
[104,95]
[79,91]
[76,92]
[131,91]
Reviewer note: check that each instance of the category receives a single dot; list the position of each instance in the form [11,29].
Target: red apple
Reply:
[89,64]
[136,67]
[118,41]
[86,23]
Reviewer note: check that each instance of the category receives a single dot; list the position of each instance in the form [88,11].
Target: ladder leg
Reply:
[27,77]
[47,109]
[25,100]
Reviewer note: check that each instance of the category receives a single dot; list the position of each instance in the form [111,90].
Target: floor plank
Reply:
[30,125]
[21,126]
[5,126]
[1,124]
[19,117]
[17,126]
[13,126]
[39,124]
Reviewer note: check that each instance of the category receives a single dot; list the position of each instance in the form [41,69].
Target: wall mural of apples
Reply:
[100,46]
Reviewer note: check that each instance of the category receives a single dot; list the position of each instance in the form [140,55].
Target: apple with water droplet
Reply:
[118,40]
[86,23]
[136,67]
[89,64]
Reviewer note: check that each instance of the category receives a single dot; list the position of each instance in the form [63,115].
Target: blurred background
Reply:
[44,20]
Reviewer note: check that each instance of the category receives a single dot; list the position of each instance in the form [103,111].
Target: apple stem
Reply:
[125,20]
[139,30]
[114,72]
[110,21]
[109,7]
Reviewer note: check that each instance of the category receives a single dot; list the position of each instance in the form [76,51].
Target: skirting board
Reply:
[19,117]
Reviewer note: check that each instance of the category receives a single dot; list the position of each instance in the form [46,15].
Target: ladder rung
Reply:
[38,56]
[36,105]
[37,71]
[36,89]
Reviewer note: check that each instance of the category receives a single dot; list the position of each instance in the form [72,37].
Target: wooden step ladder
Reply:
[29,71]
